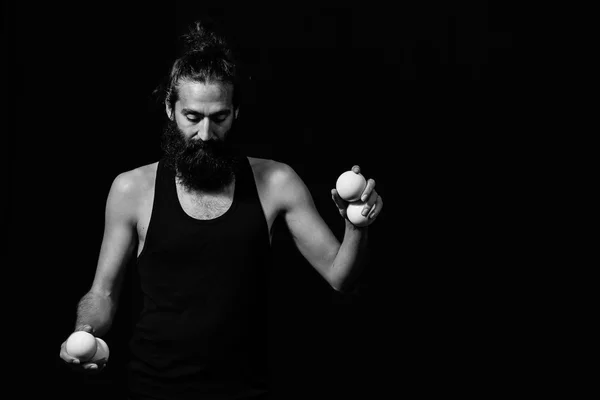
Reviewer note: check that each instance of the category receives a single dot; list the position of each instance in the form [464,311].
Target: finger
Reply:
[372,211]
[370,202]
[66,356]
[339,202]
[356,169]
[376,209]
[87,328]
[71,360]
[90,366]
[366,194]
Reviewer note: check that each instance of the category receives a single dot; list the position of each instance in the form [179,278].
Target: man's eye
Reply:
[192,119]
[219,119]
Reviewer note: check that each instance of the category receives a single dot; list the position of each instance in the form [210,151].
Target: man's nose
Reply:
[205,129]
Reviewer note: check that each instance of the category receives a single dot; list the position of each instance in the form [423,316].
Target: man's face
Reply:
[204,111]
[194,141]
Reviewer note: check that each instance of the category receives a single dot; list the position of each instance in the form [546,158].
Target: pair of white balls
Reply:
[87,348]
[350,187]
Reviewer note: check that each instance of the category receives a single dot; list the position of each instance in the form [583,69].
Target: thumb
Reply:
[87,328]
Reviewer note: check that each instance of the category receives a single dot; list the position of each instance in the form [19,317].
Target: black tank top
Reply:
[202,332]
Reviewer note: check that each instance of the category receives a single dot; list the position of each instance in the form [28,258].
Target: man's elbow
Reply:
[338,283]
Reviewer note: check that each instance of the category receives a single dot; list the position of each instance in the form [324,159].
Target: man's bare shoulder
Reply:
[135,182]
[278,182]
[270,172]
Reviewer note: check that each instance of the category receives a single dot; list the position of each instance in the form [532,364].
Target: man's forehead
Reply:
[205,92]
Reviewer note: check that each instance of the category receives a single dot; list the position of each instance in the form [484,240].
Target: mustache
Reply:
[175,144]
[199,146]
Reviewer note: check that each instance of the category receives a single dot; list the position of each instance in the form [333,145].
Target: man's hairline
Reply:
[209,81]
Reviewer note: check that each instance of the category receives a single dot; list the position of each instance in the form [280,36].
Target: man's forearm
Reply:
[350,258]
[97,311]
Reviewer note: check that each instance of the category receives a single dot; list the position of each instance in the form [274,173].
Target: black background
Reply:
[420,96]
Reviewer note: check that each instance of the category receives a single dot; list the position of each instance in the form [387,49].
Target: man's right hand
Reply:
[76,363]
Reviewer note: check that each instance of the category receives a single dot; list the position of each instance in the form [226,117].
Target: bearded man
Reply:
[200,222]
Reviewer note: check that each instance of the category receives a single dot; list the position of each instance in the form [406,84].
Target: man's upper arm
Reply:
[120,235]
[312,236]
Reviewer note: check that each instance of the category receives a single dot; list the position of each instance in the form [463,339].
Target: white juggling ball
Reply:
[354,211]
[350,185]
[81,345]
[102,352]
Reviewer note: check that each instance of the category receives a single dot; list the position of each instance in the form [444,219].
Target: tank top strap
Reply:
[245,180]
[165,179]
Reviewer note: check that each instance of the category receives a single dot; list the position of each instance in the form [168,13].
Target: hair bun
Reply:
[201,38]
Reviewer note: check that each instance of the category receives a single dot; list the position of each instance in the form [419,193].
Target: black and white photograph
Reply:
[260,201]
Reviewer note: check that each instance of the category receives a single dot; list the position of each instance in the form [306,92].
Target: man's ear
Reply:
[236,112]
[169,111]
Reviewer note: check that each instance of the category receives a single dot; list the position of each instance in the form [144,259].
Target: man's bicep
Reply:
[312,236]
[119,239]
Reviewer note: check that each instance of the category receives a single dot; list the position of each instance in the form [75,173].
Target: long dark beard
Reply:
[199,165]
